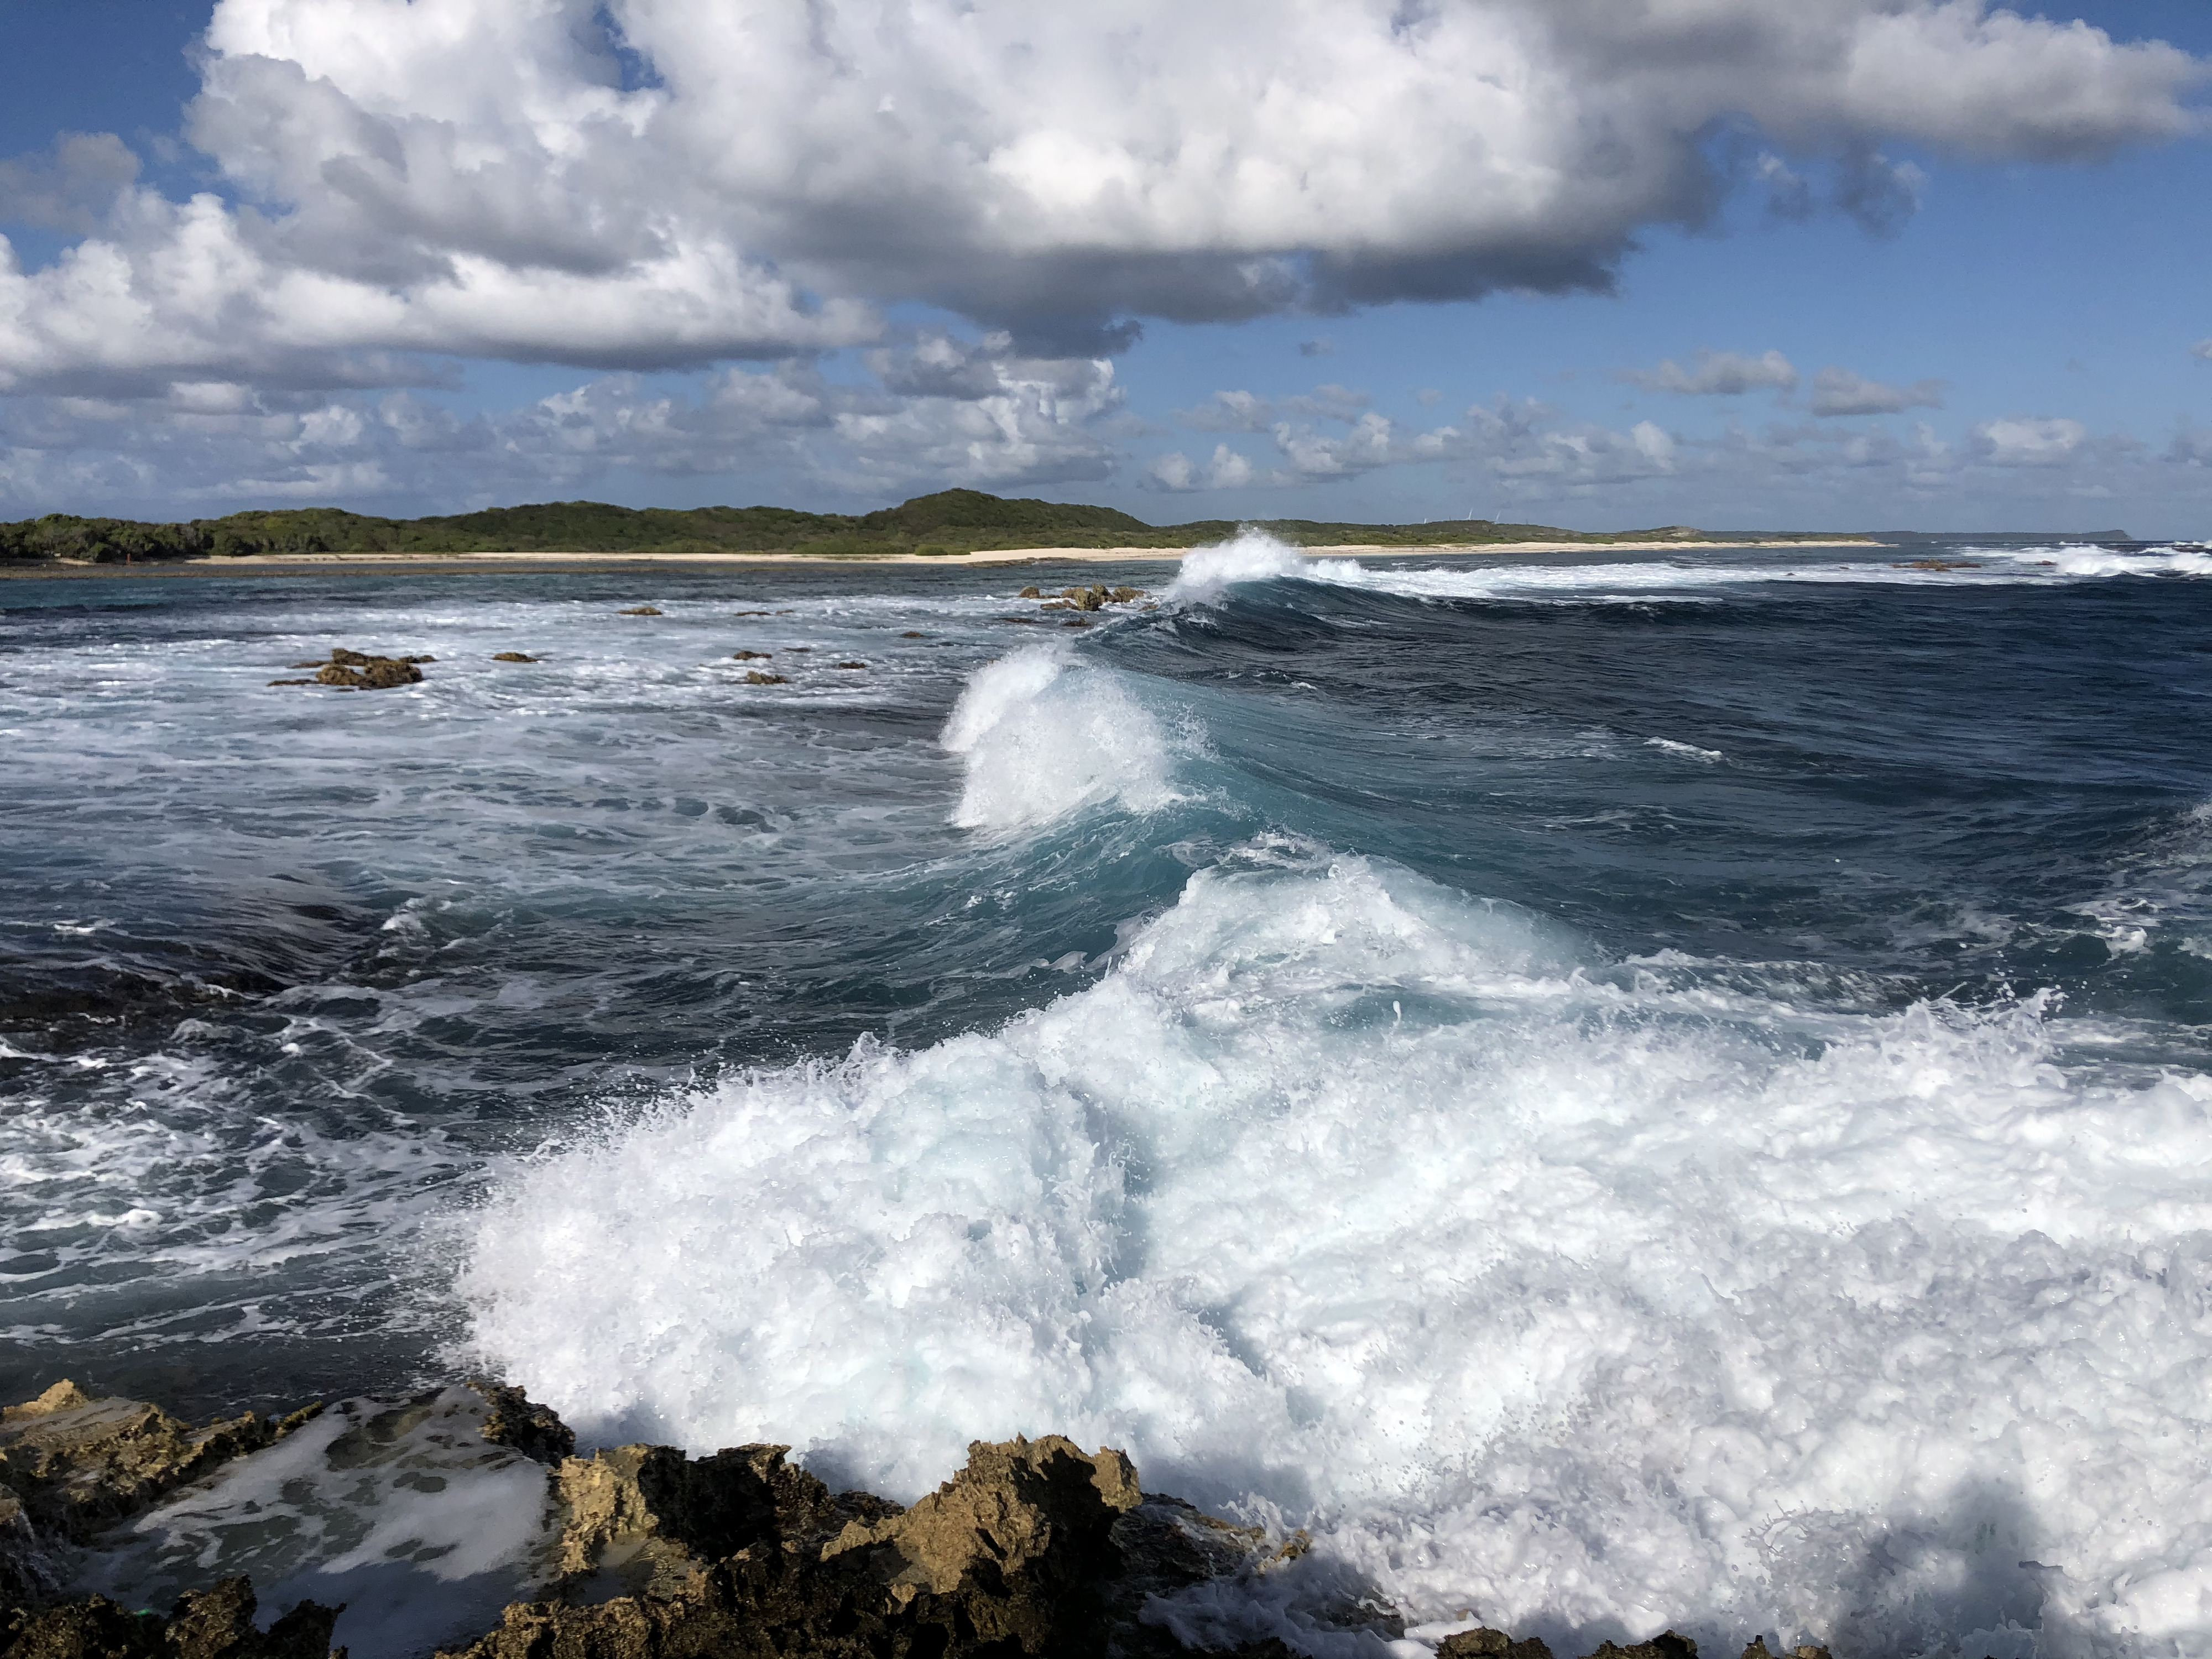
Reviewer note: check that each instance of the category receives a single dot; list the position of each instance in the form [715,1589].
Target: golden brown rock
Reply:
[78,1463]
[357,670]
[519,1421]
[1021,1538]
[1665,1645]
[1490,1645]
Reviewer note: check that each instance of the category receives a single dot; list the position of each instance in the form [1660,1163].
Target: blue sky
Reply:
[1782,262]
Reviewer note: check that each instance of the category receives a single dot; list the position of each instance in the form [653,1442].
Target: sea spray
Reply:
[1251,555]
[1040,736]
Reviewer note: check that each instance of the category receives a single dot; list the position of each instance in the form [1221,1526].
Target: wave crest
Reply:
[1042,736]
[1548,1290]
[1250,556]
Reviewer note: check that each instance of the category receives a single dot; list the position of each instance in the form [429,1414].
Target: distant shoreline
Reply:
[298,564]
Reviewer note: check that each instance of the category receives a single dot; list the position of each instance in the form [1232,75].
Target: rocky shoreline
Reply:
[1034,1547]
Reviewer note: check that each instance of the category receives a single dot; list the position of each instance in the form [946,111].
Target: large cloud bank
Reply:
[650,184]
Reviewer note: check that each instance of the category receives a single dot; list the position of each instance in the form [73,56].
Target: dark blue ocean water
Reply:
[1489,1059]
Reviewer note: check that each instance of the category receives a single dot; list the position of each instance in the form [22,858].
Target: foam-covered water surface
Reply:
[1617,1090]
[397,1510]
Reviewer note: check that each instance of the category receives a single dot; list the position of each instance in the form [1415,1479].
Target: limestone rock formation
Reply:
[1020,1540]
[1490,1645]
[71,1464]
[1037,1547]
[76,1463]
[1096,597]
[357,670]
[512,656]
[754,677]
[209,1624]
[519,1421]
[1034,1547]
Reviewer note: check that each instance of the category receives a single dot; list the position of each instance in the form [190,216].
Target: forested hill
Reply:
[951,521]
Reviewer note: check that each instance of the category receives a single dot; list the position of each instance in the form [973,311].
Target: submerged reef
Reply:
[636,1552]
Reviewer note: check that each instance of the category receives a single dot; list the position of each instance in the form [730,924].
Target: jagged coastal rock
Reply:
[1037,1547]
[211,1624]
[357,670]
[1096,597]
[72,1466]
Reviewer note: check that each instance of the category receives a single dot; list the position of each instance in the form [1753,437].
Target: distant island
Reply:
[950,522]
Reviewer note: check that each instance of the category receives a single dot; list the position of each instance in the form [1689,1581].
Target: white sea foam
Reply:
[398,1509]
[1251,555]
[1685,750]
[1588,1301]
[1041,737]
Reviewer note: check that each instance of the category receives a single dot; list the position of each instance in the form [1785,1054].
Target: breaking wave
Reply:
[1583,1295]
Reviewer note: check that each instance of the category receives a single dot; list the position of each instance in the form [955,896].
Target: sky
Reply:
[1604,264]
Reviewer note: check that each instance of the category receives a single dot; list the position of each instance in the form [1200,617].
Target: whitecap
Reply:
[1040,737]
[1592,1300]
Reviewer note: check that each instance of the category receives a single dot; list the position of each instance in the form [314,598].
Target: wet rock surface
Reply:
[1035,1548]
[75,1464]
[72,1465]
[358,670]
[519,1421]
[1096,596]
[512,656]
[211,1624]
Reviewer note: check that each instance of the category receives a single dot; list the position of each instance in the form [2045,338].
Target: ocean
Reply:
[1616,1090]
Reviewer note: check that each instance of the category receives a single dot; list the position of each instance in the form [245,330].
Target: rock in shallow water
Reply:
[72,1465]
[209,1624]
[357,670]
[535,1430]
[77,1464]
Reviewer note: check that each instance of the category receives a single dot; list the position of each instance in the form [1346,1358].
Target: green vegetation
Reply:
[950,522]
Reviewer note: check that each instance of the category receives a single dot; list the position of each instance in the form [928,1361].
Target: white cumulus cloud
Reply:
[2024,443]
[641,184]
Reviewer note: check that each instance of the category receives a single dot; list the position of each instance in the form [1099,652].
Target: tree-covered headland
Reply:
[949,521]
